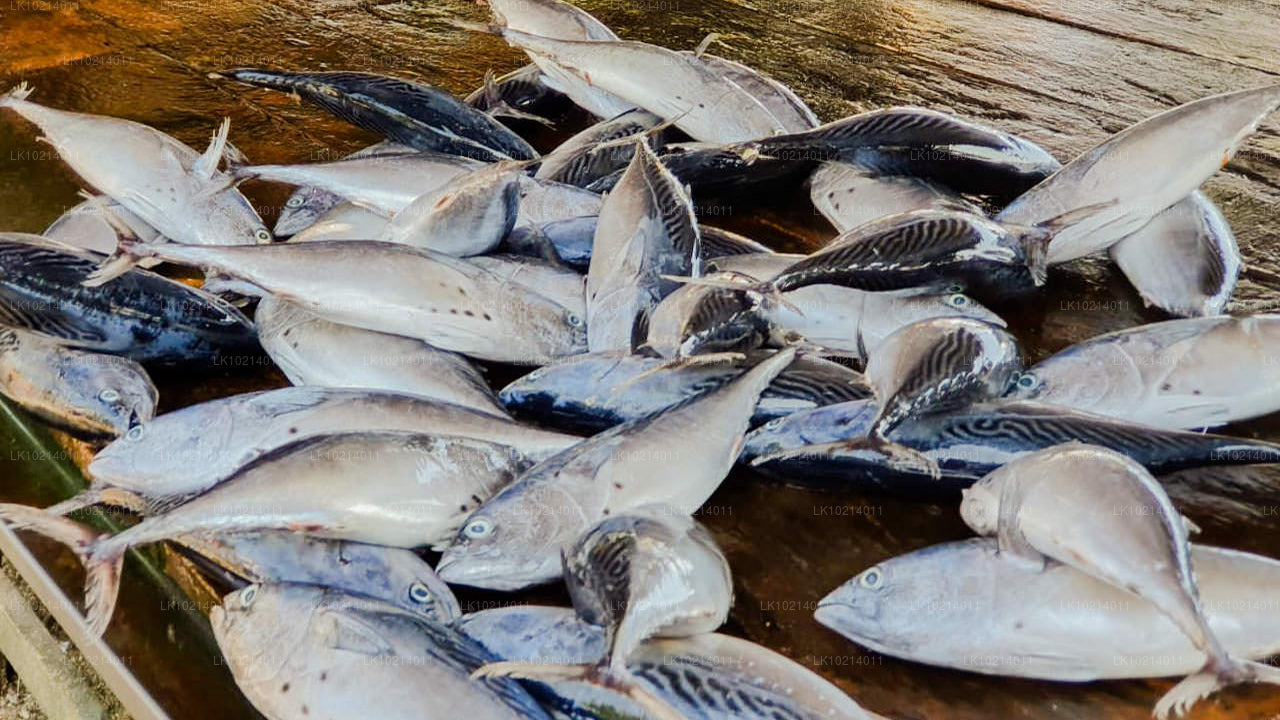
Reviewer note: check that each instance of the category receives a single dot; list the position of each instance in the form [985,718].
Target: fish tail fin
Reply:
[128,254]
[619,681]
[88,498]
[1214,676]
[18,93]
[102,564]
[207,165]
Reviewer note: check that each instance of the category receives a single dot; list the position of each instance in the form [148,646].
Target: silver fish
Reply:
[596,151]
[560,285]
[1185,261]
[425,486]
[188,451]
[393,575]
[515,539]
[87,393]
[849,196]
[344,221]
[444,301]
[563,21]
[300,652]
[650,572]
[1102,513]
[544,201]
[85,227]
[696,319]
[384,183]
[962,605]
[174,189]
[844,319]
[646,230]
[697,675]
[308,204]
[313,351]
[1192,373]
[466,216]
[704,97]
[1121,184]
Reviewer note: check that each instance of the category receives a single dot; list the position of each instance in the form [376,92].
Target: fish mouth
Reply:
[481,572]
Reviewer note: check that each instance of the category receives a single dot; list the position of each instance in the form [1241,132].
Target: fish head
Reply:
[303,208]
[227,218]
[895,606]
[399,577]
[514,540]
[107,394]
[259,628]
[570,379]
[166,447]
[980,506]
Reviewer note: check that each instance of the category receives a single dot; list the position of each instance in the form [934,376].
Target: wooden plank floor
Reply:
[1065,73]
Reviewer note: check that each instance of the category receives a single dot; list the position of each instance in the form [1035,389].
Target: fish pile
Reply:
[660,352]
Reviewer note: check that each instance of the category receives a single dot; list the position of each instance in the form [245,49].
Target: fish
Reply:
[466,216]
[810,447]
[650,572]
[344,221]
[1117,178]
[383,183]
[933,366]
[961,605]
[300,652]
[190,450]
[1185,261]
[697,319]
[84,227]
[313,351]
[997,176]
[721,243]
[522,90]
[647,230]
[705,677]
[393,575]
[849,196]
[307,204]
[174,189]
[1104,514]
[563,21]
[1191,373]
[567,241]
[930,249]
[724,171]
[421,116]
[543,201]
[598,150]
[87,393]
[443,301]
[319,486]
[709,99]
[593,392]
[143,316]
[563,286]
[514,540]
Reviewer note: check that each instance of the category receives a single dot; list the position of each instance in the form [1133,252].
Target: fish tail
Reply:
[619,681]
[102,563]
[20,92]
[128,254]
[1214,676]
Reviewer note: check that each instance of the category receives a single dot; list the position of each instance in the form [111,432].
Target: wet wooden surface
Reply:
[1065,73]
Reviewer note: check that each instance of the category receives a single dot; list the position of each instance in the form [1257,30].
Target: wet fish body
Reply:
[307,204]
[466,216]
[303,652]
[849,196]
[87,393]
[85,228]
[580,160]
[411,113]
[313,351]
[142,315]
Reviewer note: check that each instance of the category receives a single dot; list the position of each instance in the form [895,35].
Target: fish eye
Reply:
[478,529]
[136,432]
[775,423]
[535,374]
[958,300]
[294,202]
[263,235]
[955,288]
[872,579]
[1027,381]
[573,319]
[419,593]
[109,396]
[248,595]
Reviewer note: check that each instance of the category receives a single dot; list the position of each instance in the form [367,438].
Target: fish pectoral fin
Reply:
[619,681]
[1192,528]
[343,632]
